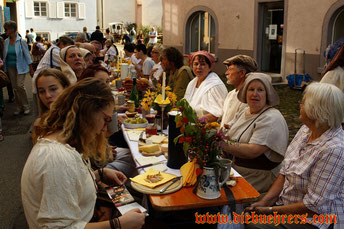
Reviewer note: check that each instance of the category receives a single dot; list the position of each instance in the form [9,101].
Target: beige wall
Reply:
[236,28]
[152,12]
[236,17]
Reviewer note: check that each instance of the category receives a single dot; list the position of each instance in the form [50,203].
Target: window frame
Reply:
[70,9]
[40,8]
[197,15]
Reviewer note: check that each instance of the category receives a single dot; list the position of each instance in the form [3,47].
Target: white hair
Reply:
[324,103]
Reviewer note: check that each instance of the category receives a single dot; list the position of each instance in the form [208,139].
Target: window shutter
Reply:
[60,10]
[81,11]
[29,9]
[52,9]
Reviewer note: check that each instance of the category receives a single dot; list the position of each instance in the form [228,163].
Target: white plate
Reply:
[134,126]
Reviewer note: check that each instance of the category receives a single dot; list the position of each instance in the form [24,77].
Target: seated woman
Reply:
[260,131]
[121,159]
[49,84]
[97,71]
[206,93]
[311,179]
[58,186]
[109,49]
[156,71]
[87,56]
[71,62]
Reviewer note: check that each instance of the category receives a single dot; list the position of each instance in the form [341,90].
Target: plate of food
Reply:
[156,182]
[133,123]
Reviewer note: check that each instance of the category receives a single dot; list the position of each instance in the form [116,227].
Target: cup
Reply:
[151,129]
[124,70]
[150,118]
[121,99]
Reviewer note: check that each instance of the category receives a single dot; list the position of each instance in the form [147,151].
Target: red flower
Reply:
[181,139]
[188,139]
[199,171]
[185,119]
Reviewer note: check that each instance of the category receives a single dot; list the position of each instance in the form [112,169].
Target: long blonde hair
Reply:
[72,115]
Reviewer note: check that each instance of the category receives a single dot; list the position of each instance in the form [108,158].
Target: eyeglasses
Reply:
[107,118]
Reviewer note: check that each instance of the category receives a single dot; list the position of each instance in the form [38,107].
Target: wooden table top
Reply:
[185,199]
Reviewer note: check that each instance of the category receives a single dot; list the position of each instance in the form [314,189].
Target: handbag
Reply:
[4,80]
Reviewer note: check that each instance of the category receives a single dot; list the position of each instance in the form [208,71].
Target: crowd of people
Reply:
[72,157]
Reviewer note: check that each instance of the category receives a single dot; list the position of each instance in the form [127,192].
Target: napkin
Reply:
[140,179]
[188,171]
[152,159]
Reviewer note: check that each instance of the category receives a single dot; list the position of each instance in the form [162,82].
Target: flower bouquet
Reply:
[200,140]
[201,144]
[150,99]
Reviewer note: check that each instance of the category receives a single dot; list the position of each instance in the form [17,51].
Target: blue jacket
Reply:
[22,53]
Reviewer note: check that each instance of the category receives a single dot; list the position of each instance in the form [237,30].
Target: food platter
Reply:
[145,190]
[131,124]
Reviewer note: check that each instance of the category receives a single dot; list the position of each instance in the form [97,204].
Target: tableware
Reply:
[134,126]
[151,164]
[171,183]
[151,129]
[145,190]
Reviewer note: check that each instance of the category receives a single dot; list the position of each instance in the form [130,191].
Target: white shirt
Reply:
[209,97]
[231,107]
[155,39]
[335,77]
[46,63]
[58,188]
[147,66]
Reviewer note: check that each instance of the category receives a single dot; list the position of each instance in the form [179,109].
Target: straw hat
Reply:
[272,98]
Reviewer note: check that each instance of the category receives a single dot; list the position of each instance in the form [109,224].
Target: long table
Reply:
[184,198]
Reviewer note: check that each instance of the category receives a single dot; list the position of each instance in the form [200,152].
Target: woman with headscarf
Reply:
[260,133]
[71,62]
[206,93]
[87,56]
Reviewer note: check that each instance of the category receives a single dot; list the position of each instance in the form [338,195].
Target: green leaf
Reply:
[186,147]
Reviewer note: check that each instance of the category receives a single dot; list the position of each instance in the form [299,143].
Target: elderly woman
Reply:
[206,93]
[17,63]
[311,179]
[72,63]
[260,132]
[87,56]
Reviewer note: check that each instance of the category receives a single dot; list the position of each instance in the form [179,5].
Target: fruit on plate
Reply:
[136,120]
[128,83]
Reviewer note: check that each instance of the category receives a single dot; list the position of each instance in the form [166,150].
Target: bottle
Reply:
[134,95]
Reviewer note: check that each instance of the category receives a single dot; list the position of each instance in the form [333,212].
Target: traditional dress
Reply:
[269,129]
[58,187]
[208,97]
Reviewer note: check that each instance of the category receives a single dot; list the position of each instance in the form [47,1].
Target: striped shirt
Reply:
[314,173]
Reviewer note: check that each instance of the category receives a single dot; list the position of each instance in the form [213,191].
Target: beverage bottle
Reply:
[134,95]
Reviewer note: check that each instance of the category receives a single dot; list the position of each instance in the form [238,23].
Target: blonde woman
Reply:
[58,185]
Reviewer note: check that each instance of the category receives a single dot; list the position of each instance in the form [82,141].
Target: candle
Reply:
[163,85]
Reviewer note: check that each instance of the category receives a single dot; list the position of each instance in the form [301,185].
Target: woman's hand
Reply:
[114,177]
[132,219]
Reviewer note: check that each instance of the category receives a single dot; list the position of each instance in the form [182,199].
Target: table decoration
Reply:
[201,144]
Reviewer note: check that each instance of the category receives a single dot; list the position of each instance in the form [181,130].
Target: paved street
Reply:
[13,153]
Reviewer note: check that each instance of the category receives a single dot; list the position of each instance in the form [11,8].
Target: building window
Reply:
[70,9]
[201,34]
[40,9]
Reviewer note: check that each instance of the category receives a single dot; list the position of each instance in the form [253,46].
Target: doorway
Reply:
[270,36]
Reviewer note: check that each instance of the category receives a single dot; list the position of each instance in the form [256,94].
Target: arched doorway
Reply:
[338,26]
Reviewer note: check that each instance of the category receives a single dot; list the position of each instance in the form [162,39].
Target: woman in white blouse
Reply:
[206,93]
[58,185]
